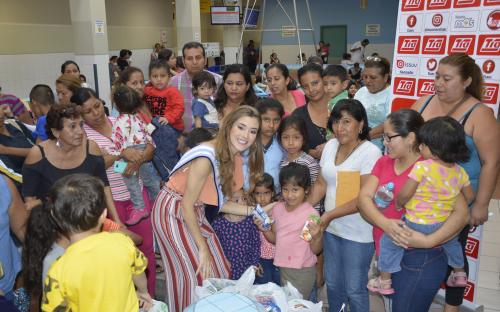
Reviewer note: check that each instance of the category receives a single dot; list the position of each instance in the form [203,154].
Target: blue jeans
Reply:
[165,156]
[346,272]
[150,179]
[391,254]
[422,271]
[270,273]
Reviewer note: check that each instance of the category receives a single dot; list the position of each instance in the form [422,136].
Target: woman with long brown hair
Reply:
[207,174]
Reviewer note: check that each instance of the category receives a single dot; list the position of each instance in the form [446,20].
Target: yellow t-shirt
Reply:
[95,274]
[436,192]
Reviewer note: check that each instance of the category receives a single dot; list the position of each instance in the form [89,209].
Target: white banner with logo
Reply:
[429,30]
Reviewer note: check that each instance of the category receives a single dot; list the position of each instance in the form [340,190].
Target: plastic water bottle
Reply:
[384,195]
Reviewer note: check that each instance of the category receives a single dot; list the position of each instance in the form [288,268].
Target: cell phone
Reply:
[119,166]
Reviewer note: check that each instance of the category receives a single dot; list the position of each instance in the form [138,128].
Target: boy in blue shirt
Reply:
[41,99]
[204,112]
[271,112]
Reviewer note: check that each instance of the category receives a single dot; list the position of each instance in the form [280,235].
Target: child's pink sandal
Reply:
[457,279]
[380,286]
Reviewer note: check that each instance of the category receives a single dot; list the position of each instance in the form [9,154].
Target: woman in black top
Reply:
[67,151]
[315,112]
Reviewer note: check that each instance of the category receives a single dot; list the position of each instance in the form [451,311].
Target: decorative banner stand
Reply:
[427,31]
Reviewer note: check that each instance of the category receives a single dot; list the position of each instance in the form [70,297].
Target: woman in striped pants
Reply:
[207,174]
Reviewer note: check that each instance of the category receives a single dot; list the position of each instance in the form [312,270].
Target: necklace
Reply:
[352,151]
[456,106]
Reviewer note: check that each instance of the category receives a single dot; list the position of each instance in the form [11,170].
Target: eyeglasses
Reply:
[388,138]
[373,58]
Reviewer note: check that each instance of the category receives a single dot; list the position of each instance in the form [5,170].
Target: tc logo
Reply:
[488,66]
[493,20]
[434,44]
[438,4]
[466,3]
[400,64]
[490,93]
[489,45]
[404,86]
[413,5]
[462,44]
[409,44]
[431,64]
[437,20]
[425,87]
[472,247]
[469,291]
[411,21]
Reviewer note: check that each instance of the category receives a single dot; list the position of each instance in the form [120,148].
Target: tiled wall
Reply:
[19,73]
[489,266]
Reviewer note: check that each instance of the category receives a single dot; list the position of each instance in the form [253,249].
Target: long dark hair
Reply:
[41,234]
[221,96]
[405,121]
[292,85]
[65,64]
[356,110]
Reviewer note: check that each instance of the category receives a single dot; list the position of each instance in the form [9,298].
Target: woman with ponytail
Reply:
[459,90]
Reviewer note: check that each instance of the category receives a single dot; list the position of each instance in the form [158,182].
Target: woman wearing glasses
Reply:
[424,266]
[376,95]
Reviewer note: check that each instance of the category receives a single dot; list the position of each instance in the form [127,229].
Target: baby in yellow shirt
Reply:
[99,269]
[429,196]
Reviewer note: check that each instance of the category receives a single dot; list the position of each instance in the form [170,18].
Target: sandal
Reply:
[457,279]
[380,286]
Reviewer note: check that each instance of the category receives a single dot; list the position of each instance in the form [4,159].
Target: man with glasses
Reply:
[194,59]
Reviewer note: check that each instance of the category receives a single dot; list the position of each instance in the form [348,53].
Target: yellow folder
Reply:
[348,185]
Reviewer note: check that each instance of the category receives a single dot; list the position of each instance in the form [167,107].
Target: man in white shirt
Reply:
[358,51]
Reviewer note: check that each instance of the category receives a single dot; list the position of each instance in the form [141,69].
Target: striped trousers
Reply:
[179,252]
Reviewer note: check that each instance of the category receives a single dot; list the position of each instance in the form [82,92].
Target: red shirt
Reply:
[159,100]
[384,171]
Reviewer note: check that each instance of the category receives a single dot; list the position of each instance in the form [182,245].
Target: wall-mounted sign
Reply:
[288,31]
[212,49]
[372,30]
[99,27]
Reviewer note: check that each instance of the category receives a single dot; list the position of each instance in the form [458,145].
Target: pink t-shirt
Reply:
[298,97]
[384,171]
[291,250]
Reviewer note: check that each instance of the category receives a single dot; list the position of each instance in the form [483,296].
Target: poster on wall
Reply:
[431,29]
[427,31]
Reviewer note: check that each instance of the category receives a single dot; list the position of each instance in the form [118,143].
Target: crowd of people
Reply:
[89,197]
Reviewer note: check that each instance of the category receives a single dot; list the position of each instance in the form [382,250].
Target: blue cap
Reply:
[390,186]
